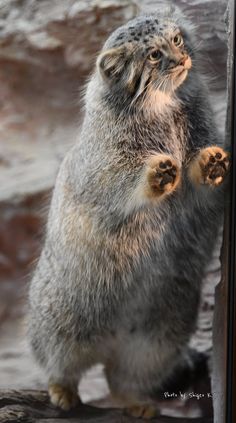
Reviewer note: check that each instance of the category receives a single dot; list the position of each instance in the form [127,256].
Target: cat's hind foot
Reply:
[142,411]
[63,396]
[210,166]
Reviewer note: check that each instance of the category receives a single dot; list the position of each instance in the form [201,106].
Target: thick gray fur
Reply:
[119,283]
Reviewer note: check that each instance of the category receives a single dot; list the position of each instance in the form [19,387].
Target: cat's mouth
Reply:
[185,66]
[180,72]
[175,76]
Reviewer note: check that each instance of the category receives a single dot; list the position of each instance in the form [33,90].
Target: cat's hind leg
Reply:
[127,392]
[64,372]
[63,395]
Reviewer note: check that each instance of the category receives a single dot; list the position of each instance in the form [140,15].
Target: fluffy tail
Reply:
[193,369]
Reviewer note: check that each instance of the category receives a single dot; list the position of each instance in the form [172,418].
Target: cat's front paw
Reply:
[210,166]
[163,175]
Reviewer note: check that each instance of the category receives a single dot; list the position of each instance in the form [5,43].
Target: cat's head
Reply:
[146,60]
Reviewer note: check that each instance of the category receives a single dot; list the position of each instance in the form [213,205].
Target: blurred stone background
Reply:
[47,51]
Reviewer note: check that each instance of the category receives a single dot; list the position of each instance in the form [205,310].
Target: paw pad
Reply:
[166,173]
[214,165]
[163,175]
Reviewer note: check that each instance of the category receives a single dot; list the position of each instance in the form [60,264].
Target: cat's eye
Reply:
[178,40]
[155,56]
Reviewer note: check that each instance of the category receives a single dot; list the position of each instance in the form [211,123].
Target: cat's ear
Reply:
[120,65]
[111,63]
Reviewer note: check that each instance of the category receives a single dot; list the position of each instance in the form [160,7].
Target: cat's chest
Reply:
[168,135]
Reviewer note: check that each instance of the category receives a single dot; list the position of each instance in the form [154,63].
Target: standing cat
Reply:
[133,220]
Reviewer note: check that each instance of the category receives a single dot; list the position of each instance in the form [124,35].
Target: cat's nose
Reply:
[182,60]
[185,61]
